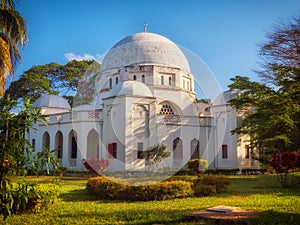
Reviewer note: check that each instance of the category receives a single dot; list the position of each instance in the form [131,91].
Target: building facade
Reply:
[144,95]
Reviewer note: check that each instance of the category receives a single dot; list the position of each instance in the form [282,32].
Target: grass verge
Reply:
[259,192]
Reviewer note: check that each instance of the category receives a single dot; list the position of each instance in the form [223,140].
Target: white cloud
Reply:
[71,56]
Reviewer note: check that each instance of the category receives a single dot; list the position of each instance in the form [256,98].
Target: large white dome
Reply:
[145,48]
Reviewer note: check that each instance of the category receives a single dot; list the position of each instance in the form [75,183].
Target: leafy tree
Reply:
[283,163]
[271,109]
[16,155]
[13,34]
[50,78]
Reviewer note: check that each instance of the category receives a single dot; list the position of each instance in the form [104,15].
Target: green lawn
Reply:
[76,206]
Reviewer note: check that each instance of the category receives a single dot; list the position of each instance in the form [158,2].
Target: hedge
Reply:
[104,188]
[204,190]
[250,171]
[233,171]
[218,182]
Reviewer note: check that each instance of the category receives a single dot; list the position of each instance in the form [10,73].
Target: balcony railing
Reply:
[87,116]
[186,120]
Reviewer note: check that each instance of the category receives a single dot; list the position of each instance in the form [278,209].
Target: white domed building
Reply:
[144,96]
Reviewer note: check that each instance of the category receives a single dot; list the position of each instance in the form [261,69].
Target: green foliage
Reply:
[104,188]
[108,189]
[44,197]
[50,78]
[25,197]
[77,206]
[60,170]
[191,179]
[169,190]
[42,161]
[219,182]
[12,140]
[159,191]
[197,165]
[253,171]
[218,171]
[271,110]
[154,155]
[204,190]
[13,34]
[16,154]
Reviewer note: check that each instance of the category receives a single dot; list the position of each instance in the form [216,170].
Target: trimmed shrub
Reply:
[251,171]
[197,165]
[170,190]
[233,171]
[204,190]
[107,189]
[184,171]
[191,179]
[219,182]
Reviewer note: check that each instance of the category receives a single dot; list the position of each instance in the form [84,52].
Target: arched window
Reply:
[195,149]
[92,150]
[46,140]
[59,144]
[134,77]
[177,146]
[177,153]
[166,110]
[183,84]
[117,80]
[170,81]
[143,78]
[73,145]
[110,83]
[162,80]
[188,85]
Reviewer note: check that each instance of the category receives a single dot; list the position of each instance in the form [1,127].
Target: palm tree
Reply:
[13,34]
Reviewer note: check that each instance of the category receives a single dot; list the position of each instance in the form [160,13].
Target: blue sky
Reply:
[225,34]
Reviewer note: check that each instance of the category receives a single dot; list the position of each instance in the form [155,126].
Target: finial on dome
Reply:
[145,27]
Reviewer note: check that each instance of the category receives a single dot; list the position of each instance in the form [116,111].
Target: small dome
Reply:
[130,87]
[225,97]
[52,101]
[145,48]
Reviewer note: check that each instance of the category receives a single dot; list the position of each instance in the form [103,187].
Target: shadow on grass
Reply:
[271,217]
[259,184]
[132,217]
[77,195]
[168,217]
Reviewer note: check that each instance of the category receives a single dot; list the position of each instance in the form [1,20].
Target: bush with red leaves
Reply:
[96,165]
[284,163]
